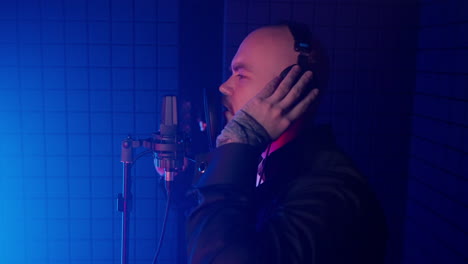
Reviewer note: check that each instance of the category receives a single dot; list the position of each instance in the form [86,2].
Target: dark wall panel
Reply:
[437,200]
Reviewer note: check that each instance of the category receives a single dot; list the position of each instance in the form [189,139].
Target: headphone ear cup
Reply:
[288,69]
[316,75]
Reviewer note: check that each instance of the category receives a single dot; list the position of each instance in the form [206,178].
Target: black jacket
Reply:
[314,207]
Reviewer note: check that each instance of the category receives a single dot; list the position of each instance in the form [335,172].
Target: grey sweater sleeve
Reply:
[243,128]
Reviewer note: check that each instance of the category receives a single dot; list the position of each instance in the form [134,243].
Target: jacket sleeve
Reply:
[220,228]
[319,219]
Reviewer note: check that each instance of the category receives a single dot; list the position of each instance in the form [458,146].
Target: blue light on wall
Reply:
[76,77]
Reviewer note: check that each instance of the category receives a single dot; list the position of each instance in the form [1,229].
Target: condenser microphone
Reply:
[168,143]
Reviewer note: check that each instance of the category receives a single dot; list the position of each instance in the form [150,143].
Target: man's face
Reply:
[262,56]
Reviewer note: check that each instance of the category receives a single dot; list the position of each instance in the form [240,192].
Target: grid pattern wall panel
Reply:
[76,77]
[371,47]
[437,214]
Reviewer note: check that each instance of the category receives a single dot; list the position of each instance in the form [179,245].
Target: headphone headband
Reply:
[301,35]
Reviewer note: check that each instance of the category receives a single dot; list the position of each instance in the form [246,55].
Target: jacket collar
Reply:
[297,156]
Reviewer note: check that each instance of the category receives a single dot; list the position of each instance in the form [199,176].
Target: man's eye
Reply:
[240,76]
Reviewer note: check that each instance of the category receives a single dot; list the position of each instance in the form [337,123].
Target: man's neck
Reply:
[288,135]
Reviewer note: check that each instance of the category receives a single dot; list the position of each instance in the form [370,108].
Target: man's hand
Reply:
[281,102]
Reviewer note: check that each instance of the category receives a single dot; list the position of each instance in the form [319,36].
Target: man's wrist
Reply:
[243,128]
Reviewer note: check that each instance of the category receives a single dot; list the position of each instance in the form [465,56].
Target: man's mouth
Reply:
[228,114]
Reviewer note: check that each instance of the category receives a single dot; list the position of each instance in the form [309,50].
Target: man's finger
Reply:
[268,90]
[297,110]
[286,84]
[297,91]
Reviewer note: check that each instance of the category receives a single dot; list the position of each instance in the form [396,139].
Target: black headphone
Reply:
[307,58]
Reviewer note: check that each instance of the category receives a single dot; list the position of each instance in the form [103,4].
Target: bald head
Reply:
[269,48]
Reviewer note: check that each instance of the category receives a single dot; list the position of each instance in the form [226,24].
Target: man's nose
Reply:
[226,88]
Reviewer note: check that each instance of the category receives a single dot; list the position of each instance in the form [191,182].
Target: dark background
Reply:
[78,76]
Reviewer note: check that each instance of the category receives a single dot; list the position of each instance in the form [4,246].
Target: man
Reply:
[308,204]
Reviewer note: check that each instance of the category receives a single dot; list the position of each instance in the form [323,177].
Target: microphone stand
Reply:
[169,148]
[124,200]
